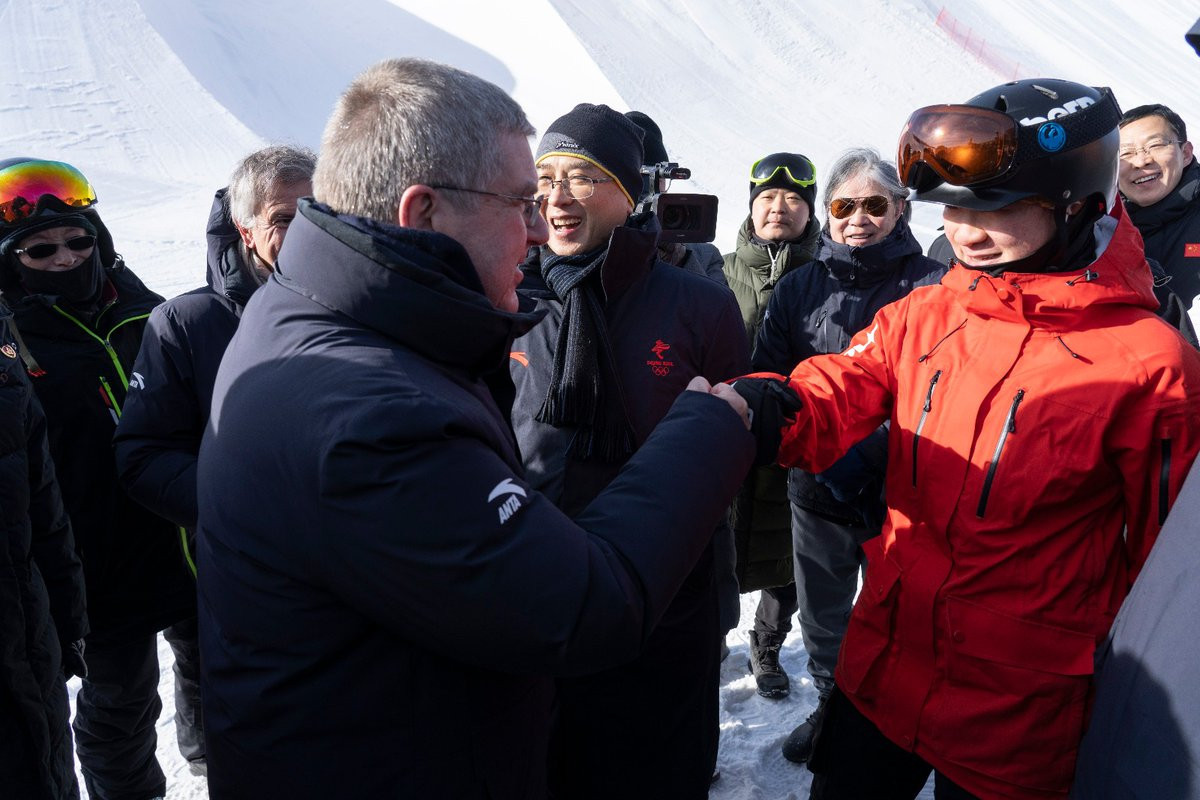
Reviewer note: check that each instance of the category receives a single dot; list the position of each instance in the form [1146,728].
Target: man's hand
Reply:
[72,659]
[725,392]
[773,404]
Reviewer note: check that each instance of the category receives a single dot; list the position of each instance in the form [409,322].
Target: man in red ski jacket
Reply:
[1040,430]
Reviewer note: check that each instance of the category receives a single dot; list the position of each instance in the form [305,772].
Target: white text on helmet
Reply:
[1067,108]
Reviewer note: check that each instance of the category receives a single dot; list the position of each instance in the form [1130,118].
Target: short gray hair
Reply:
[866,162]
[407,121]
[253,178]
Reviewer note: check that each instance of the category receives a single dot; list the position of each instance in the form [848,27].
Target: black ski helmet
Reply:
[1042,137]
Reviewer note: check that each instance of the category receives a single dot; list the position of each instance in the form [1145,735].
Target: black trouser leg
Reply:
[852,760]
[776,606]
[189,719]
[115,712]
[828,561]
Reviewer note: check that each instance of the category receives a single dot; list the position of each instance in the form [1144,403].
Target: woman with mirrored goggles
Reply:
[82,314]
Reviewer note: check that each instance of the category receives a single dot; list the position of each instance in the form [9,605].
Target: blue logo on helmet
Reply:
[1051,137]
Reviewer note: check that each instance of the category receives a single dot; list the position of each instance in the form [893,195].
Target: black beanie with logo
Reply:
[601,136]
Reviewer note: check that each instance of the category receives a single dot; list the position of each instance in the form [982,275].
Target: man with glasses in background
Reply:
[780,234]
[1042,424]
[383,597]
[624,333]
[1160,182]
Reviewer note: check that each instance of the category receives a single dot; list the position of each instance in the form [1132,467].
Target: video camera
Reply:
[683,217]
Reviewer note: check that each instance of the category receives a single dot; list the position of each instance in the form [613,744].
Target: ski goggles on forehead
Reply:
[797,169]
[966,145]
[25,186]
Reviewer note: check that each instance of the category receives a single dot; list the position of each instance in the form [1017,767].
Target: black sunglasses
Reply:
[47,249]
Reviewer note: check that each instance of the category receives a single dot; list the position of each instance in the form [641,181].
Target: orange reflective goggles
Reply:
[967,145]
[25,186]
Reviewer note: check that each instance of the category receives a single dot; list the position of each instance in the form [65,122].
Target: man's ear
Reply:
[417,207]
[1187,153]
[247,238]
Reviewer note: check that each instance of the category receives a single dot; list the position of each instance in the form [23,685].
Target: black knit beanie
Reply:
[600,136]
[653,150]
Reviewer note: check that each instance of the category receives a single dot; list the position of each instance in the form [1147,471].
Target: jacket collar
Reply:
[1177,203]
[1119,275]
[866,266]
[631,253]
[228,273]
[417,288]
[772,262]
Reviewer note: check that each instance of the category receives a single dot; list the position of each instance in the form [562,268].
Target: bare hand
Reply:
[699,384]
[735,400]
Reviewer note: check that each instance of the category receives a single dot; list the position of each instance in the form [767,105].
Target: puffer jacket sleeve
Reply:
[157,442]
[845,395]
[775,347]
[52,544]
[1155,441]
[492,562]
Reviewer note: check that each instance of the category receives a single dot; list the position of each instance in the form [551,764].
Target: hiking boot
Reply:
[799,745]
[764,663]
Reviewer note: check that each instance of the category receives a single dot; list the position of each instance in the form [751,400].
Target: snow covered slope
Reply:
[157,99]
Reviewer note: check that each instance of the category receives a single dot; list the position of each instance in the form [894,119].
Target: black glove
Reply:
[773,404]
[72,659]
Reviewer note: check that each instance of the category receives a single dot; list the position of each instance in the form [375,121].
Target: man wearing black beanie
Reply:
[625,332]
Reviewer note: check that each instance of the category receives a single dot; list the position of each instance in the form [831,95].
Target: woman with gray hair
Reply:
[867,258]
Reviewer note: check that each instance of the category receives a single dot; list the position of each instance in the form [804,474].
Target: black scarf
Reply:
[585,389]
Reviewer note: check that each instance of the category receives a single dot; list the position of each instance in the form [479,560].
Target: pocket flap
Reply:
[984,633]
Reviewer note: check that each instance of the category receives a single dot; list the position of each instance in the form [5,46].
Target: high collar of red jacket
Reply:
[1119,276]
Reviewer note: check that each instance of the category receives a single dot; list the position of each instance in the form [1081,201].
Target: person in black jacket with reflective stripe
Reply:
[42,619]
[81,312]
[867,258]
[158,438]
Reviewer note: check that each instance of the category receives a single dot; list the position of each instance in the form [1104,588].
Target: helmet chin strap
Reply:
[1070,247]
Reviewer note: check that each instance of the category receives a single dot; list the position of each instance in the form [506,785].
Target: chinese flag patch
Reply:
[1191,250]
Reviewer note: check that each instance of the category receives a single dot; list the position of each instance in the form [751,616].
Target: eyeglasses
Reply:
[875,205]
[580,187]
[1151,149]
[797,169]
[46,249]
[533,205]
[25,186]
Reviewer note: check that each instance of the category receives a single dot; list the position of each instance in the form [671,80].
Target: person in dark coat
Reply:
[384,597]
[82,313]
[624,333]
[868,257]
[1160,181]
[1143,739]
[42,619]
[158,438]
[780,234]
